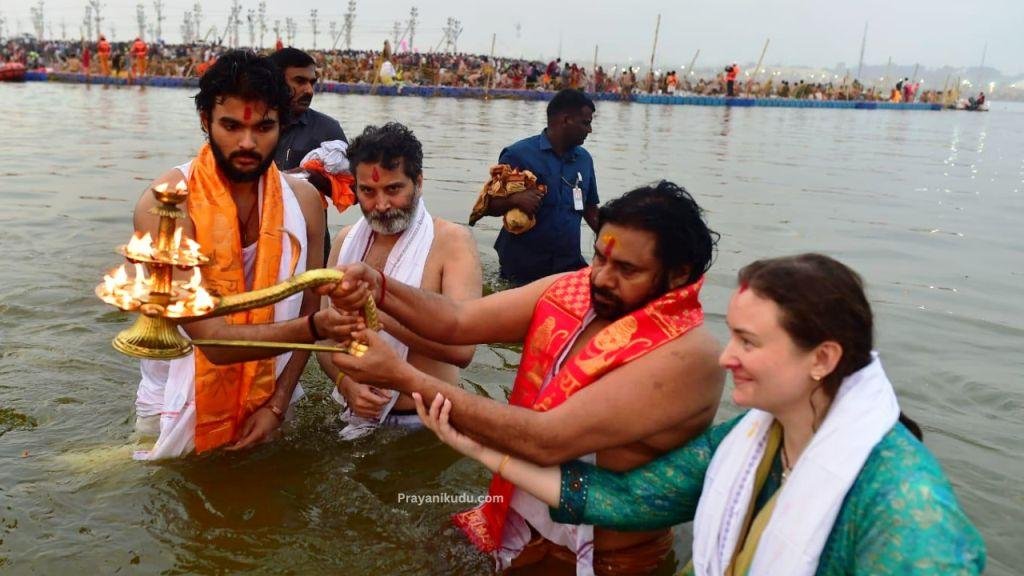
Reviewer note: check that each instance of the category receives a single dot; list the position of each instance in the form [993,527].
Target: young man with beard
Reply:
[249,219]
[399,237]
[617,367]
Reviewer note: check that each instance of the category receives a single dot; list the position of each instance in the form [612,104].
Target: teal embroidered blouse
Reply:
[900,517]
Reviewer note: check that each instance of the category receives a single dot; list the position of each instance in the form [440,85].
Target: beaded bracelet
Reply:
[312,327]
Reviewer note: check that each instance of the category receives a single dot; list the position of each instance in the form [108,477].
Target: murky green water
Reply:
[925,205]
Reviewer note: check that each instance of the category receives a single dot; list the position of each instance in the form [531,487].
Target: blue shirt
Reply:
[553,245]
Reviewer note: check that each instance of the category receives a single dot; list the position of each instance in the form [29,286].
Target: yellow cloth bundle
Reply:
[505,181]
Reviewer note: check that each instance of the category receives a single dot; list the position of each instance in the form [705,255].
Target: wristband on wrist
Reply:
[312,327]
[275,411]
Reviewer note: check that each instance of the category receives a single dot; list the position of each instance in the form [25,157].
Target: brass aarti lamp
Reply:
[163,303]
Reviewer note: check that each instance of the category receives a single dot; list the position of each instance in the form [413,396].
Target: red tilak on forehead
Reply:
[743,287]
[609,244]
[376,175]
[248,114]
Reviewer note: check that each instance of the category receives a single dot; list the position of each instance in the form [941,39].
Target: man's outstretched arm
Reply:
[501,317]
[678,384]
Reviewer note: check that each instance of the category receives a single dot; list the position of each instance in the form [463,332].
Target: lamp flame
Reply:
[195,282]
[141,285]
[176,241]
[192,253]
[141,246]
[202,303]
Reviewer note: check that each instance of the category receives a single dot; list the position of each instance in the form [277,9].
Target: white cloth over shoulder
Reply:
[405,264]
[864,410]
[334,155]
[168,387]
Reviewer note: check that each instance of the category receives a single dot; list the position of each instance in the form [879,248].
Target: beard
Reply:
[395,220]
[611,307]
[235,174]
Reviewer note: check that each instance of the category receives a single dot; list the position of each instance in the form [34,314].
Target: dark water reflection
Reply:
[925,205]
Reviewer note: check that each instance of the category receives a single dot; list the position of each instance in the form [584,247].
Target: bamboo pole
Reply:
[654,48]
[689,69]
[863,44]
[593,71]
[757,69]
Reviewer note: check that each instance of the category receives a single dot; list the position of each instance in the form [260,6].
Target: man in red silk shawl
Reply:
[617,366]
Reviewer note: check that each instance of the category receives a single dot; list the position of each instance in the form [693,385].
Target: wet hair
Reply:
[570,101]
[387,145]
[820,299]
[667,210]
[248,76]
[291,58]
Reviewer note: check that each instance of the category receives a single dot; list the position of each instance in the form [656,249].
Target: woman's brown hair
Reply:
[820,299]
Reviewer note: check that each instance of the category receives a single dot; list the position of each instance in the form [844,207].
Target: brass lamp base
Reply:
[156,337]
[153,338]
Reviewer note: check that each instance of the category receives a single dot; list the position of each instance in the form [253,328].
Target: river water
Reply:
[926,205]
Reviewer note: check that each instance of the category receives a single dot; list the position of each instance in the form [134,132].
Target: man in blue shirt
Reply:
[557,158]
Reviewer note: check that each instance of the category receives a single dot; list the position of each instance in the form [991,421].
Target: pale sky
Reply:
[803,32]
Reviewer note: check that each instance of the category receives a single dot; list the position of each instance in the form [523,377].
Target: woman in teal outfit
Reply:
[823,475]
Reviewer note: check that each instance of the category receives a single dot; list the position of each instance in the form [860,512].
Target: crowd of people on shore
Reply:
[455,70]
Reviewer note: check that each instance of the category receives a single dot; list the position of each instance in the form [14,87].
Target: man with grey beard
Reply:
[399,237]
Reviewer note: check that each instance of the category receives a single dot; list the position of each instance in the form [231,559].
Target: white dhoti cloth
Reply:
[167,388]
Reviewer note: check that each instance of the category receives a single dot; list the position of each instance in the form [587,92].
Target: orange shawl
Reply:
[557,318]
[227,395]
[341,185]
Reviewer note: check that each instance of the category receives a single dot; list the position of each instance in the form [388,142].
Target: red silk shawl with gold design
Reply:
[557,318]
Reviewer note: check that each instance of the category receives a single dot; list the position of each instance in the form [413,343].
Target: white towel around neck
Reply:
[864,410]
[405,264]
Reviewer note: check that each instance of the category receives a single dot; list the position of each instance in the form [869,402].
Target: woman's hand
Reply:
[437,420]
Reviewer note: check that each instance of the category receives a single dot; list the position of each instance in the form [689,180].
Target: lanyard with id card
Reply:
[577,192]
